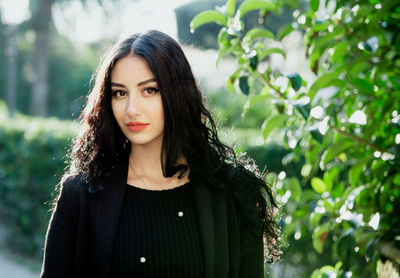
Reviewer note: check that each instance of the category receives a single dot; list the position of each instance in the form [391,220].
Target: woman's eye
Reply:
[118,93]
[151,90]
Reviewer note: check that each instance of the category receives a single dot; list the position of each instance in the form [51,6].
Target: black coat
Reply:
[79,241]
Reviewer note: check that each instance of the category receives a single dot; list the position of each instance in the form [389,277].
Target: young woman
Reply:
[151,191]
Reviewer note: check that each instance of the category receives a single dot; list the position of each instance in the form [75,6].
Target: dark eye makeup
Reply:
[151,90]
[118,93]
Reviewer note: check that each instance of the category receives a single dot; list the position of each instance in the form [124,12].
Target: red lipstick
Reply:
[136,126]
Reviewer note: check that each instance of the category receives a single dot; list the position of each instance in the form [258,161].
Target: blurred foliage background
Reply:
[309,89]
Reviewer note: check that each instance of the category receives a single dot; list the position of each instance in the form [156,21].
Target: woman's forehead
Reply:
[131,69]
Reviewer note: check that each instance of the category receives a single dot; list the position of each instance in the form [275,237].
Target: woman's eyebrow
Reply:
[118,85]
[146,81]
[138,84]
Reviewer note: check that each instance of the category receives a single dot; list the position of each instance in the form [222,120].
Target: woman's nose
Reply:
[133,107]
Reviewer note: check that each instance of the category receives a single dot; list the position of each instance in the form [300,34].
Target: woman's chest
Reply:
[157,235]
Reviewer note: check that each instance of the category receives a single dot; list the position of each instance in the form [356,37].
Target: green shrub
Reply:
[32,155]
[343,208]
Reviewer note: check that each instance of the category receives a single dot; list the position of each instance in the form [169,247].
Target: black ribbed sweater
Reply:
[158,235]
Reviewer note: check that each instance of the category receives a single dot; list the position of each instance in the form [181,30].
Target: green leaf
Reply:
[327,271]
[318,185]
[286,30]
[316,274]
[329,177]
[237,48]
[396,179]
[295,81]
[328,205]
[314,4]
[230,85]
[250,5]
[254,62]
[313,153]
[223,37]
[230,7]
[295,189]
[354,174]
[292,4]
[363,86]
[270,51]
[365,198]
[306,169]
[207,17]
[338,189]
[224,44]
[340,49]
[231,80]
[318,26]
[224,49]
[304,109]
[271,124]
[325,81]
[315,218]
[358,65]
[370,250]
[333,151]
[317,135]
[302,212]
[338,265]
[319,236]
[257,33]
[244,84]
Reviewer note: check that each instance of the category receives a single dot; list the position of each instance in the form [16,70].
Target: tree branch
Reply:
[268,82]
[356,138]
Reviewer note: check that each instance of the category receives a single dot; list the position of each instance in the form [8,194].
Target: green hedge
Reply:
[32,155]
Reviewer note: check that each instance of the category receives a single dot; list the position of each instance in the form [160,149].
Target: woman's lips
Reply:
[136,126]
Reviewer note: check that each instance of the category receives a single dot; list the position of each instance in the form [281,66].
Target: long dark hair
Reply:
[189,131]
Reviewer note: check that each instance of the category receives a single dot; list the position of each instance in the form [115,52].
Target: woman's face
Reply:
[136,101]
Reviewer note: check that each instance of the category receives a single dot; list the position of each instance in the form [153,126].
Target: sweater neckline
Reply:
[174,189]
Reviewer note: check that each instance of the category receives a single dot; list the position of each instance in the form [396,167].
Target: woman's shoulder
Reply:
[242,184]
[73,183]
[240,178]
[246,189]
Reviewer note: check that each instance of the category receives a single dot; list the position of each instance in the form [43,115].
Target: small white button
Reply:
[180,214]
[142,259]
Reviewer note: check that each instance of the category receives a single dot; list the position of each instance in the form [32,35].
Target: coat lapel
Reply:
[212,215]
[221,269]
[107,216]
[206,225]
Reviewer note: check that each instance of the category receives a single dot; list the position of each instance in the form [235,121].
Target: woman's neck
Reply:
[145,169]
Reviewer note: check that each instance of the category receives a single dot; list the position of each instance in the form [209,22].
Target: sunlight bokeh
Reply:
[93,22]
[14,12]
